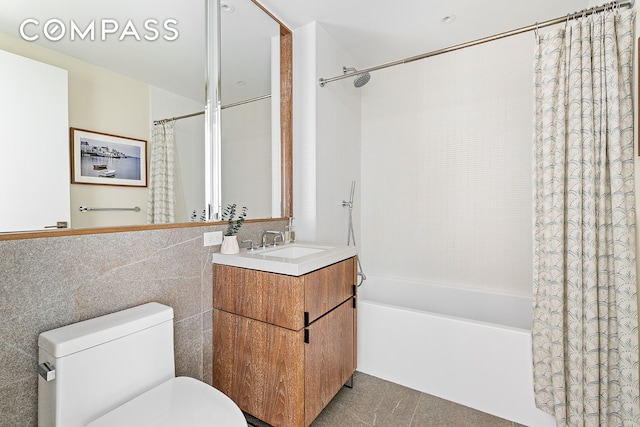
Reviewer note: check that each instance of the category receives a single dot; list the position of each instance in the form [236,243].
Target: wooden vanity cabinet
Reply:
[283,346]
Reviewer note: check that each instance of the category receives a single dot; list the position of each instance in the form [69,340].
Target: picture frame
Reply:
[99,158]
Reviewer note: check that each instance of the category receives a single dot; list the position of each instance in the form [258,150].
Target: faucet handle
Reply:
[281,236]
[275,235]
[250,247]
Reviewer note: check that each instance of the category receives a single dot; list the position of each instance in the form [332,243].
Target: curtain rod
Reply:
[534,27]
[186,116]
[199,113]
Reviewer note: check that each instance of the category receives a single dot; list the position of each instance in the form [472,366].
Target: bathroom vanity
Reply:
[284,343]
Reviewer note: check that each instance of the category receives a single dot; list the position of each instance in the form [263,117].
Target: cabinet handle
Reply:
[306,336]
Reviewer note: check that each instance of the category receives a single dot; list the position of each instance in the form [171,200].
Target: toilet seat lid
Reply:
[180,401]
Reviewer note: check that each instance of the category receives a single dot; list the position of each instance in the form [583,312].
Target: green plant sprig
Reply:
[229,214]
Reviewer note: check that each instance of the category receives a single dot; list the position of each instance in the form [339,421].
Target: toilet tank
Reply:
[103,362]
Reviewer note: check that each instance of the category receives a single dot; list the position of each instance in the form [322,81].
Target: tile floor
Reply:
[376,402]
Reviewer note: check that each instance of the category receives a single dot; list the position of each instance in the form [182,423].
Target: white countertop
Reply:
[293,259]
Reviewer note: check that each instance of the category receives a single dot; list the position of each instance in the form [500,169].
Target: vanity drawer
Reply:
[329,287]
[287,301]
[268,297]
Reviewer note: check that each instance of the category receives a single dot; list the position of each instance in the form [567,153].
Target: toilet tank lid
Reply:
[89,333]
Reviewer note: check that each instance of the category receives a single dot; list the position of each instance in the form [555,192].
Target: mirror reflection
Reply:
[250,116]
[121,85]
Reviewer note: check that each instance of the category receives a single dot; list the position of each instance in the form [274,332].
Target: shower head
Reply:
[361,79]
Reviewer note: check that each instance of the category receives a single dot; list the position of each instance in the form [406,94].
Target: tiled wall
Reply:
[49,282]
[446,153]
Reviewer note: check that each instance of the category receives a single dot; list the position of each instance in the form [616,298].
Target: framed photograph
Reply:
[104,159]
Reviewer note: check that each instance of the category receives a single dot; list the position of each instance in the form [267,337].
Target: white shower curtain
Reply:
[585,326]
[161,200]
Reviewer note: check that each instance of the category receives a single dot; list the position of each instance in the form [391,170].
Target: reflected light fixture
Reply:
[227,8]
[449,19]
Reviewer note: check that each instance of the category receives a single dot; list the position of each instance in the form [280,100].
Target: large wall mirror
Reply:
[145,79]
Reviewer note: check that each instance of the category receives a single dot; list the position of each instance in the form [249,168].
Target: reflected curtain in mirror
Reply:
[161,202]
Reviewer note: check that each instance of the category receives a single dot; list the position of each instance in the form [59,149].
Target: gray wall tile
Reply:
[50,282]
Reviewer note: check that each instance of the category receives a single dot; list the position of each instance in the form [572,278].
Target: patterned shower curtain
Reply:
[585,326]
[161,201]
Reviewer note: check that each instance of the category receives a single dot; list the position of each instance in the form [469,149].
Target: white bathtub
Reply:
[466,346]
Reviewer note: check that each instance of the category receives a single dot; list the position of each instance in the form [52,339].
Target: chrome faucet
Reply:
[281,236]
[275,234]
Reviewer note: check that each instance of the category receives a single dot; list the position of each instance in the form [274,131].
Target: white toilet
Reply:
[118,370]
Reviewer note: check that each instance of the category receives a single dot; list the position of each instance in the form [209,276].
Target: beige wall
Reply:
[249,146]
[102,101]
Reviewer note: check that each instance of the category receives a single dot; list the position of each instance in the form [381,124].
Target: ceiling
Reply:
[372,32]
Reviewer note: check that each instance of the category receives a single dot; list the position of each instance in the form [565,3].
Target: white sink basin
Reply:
[294,259]
[293,252]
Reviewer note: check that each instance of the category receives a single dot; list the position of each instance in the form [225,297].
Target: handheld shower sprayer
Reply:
[349,204]
[350,234]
